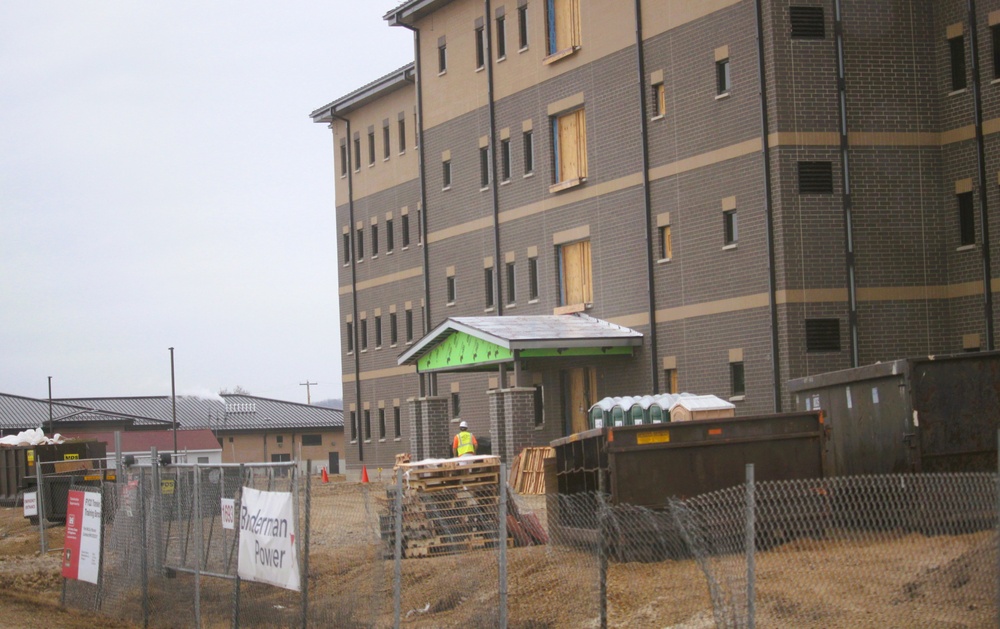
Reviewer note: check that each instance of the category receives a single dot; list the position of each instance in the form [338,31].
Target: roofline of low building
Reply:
[363,95]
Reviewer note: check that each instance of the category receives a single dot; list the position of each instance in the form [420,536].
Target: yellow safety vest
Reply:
[465,443]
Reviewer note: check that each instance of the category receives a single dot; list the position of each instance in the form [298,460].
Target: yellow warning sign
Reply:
[656,436]
[167,486]
[31,457]
[71,457]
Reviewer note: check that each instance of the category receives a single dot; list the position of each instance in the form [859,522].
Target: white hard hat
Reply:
[462,425]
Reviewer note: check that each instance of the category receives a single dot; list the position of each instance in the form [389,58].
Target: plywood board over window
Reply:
[570,134]
[577,285]
[563,25]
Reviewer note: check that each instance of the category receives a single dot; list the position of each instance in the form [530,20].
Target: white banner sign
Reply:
[228,513]
[30,503]
[267,539]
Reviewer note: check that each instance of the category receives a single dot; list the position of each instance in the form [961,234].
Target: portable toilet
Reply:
[619,415]
[600,413]
[658,408]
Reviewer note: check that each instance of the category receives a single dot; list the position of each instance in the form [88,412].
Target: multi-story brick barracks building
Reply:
[562,200]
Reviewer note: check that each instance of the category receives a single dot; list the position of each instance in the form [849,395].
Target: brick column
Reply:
[498,426]
[415,410]
[437,431]
[519,419]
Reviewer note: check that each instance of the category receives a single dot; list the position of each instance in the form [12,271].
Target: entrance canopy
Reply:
[482,343]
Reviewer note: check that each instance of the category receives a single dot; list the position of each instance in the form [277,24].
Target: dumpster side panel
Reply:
[957,403]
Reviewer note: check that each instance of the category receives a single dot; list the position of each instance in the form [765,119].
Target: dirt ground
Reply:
[886,580]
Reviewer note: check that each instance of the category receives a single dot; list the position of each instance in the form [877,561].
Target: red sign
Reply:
[71,549]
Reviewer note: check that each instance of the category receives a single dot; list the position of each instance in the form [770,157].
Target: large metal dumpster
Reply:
[931,414]
[17,471]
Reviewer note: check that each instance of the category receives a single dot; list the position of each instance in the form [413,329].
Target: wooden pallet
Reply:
[527,474]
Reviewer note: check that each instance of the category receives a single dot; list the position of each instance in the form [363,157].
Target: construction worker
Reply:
[464,442]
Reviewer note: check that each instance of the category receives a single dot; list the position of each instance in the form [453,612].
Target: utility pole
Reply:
[173,400]
[307,384]
[51,427]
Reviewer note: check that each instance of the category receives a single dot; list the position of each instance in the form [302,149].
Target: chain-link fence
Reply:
[452,547]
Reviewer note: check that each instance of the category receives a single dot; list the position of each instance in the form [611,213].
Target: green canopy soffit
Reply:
[464,352]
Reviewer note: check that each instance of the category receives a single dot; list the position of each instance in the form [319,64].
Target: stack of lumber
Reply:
[449,506]
[401,458]
[527,472]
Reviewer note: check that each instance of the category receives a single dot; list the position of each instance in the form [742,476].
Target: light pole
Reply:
[173,400]
[51,427]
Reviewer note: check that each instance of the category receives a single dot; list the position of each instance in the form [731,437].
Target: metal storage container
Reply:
[932,414]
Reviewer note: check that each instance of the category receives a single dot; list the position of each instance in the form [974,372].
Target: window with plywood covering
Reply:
[562,25]
[569,141]
[659,100]
[575,274]
[670,381]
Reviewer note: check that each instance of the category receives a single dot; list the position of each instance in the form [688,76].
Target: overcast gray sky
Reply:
[162,185]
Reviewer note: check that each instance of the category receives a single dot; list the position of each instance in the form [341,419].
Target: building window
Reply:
[737,379]
[488,286]
[368,424]
[539,405]
[405,230]
[575,274]
[364,335]
[723,82]
[822,335]
[357,153]
[446,174]
[501,37]
[371,147]
[966,219]
[505,160]
[420,218]
[397,426]
[386,148]
[279,440]
[815,177]
[456,406]
[480,47]
[956,50]
[529,153]
[659,100]
[670,381]
[350,337]
[312,440]
[343,158]
[390,236]
[484,167]
[381,423]
[401,128]
[359,242]
[409,325]
[378,331]
[995,35]
[666,243]
[730,227]
[442,56]
[532,278]
[347,247]
[563,21]
[354,425]
[451,290]
[511,284]
[569,142]
[807,22]
[374,239]
[522,27]
[393,329]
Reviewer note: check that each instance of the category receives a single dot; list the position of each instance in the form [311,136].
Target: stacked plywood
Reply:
[527,472]
[449,506]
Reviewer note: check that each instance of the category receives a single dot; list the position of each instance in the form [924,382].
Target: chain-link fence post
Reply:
[603,541]
[144,548]
[305,545]
[236,581]
[998,529]
[397,551]
[201,541]
[502,537]
[751,536]
[157,507]
[41,502]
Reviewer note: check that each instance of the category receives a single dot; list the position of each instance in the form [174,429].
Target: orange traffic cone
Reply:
[364,474]
[326,477]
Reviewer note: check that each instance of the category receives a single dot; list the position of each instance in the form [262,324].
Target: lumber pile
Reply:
[401,458]
[527,472]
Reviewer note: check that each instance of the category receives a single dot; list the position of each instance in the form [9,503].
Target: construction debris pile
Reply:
[451,506]
[31,437]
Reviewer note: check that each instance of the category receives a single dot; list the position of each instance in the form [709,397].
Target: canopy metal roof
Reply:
[477,343]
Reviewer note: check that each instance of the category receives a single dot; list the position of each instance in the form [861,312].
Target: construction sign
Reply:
[267,539]
[82,549]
